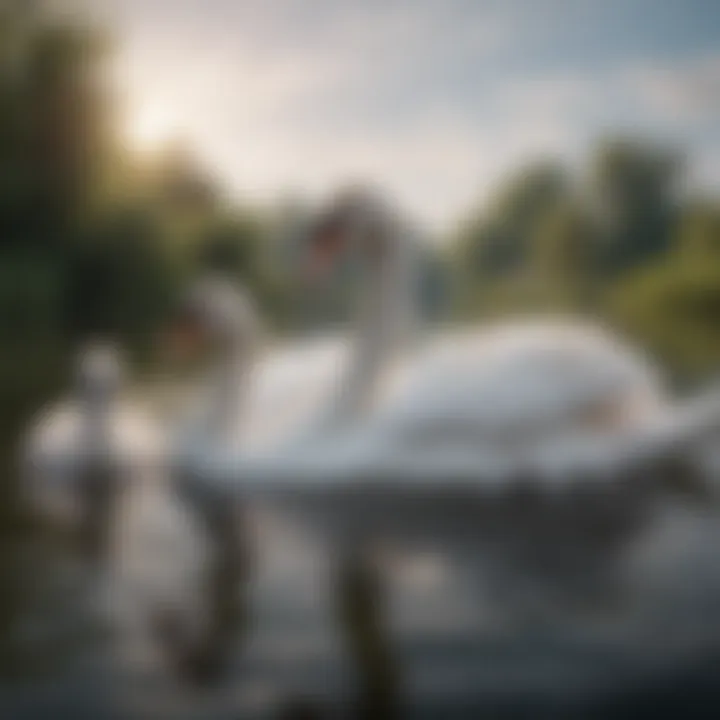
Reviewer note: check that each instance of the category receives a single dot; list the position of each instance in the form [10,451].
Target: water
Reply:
[83,647]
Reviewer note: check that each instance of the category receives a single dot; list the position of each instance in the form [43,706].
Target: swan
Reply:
[489,443]
[424,434]
[217,326]
[81,453]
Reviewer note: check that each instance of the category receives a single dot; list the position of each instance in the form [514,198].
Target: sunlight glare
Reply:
[151,128]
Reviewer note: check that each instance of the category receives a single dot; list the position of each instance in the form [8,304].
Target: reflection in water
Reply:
[360,598]
[458,649]
[201,657]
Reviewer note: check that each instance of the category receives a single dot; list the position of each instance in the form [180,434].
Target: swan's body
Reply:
[474,437]
[92,431]
[428,438]
[545,465]
[497,391]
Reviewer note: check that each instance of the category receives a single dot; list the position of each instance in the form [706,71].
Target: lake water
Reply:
[83,649]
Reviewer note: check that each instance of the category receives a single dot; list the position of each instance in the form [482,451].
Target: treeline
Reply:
[621,238]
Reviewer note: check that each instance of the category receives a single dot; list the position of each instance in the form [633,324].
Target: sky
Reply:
[434,100]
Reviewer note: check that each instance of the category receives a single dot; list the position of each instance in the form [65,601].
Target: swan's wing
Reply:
[49,460]
[56,450]
[517,378]
[52,442]
[55,438]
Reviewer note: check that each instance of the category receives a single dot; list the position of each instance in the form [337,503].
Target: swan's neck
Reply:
[387,324]
[228,391]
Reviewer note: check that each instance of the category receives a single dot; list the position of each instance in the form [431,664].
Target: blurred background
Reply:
[561,156]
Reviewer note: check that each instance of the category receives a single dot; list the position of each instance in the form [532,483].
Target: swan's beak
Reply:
[184,340]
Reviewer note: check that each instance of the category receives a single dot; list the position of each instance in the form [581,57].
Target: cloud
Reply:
[435,99]
[686,91]
[435,169]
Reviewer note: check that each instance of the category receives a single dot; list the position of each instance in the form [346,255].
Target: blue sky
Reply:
[435,99]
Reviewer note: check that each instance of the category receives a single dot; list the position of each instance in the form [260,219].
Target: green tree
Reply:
[564,259]
[636,193]
[495,241]
[493,245]
[698,235]
[673,305]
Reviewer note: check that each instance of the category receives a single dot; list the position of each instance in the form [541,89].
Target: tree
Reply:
[698,235]
[635,187]
[496,241]
[493,245]
[673,305]
[564,259]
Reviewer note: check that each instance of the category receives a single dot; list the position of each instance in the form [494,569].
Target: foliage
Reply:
[94,240]
[673,305]
[619,240]
[636,190]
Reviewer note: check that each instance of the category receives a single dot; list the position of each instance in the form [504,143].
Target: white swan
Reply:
[194,623]
[79,454]
[472,412]
[529,445]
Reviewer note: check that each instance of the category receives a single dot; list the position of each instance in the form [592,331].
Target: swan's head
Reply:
[98,374]
[214,315]
[357,222]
